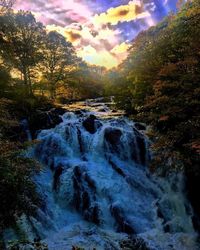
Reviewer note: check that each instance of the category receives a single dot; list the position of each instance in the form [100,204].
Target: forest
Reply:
[158,85]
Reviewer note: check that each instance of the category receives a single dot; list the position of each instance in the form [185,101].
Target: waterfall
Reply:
[97,190]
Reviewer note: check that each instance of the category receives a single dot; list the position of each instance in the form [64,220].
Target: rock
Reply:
[142,149]
[78,112]
[114,111]
[133,243]
[192,187]
[113,135]
[45,119]
[80,140]
[102,110]
[123,224]
[84,195]
[89,124]
[56,178]
[140,154]
[58,111]
[117,169]
[140,126]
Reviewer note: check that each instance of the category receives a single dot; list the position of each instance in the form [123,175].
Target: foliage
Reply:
[17,191]
[20,42]
[161,79]
[59,59]
[4,80]
[43,63]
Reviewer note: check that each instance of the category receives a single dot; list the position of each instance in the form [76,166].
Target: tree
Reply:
[59,59]
[162,77]
[20,43]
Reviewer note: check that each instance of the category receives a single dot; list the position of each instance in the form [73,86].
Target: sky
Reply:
[100,30]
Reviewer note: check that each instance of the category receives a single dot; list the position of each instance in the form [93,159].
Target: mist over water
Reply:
[97,190]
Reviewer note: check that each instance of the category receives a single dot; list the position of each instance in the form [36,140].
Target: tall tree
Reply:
[20,42]
[59,58]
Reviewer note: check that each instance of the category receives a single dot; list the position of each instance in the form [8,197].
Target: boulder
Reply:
[56,178]
[133,243]
[58,111]
[141,148]
[102,110]
[89,124]
[84,195]
[140,126]
[113,135]
[45,119]
[123,224]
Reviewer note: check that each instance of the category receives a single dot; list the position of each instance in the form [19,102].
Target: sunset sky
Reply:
[100,30]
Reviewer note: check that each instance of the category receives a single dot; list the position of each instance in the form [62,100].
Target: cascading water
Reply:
[97,189]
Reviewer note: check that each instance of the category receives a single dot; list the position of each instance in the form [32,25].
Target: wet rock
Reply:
[56,178]
[80,140]
[117,169]
[192,185]
[140,126]
[114,111]
[45,120]
[113,135]
[166,228]
[95,215]
[58,111]
[123,224]
[133,243]
[84,195]
[141,148]
[85,201]
[102,110]
[89,124]
[80,112]
[89,181]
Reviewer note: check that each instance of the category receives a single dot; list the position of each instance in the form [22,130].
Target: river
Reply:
[97,190]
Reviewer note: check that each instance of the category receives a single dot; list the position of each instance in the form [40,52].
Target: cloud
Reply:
[123,13]
[120,48]
[100,30]
[61,11]
[91,55]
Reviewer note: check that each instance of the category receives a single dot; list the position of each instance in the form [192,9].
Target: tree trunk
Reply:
[29,82]
[52,92]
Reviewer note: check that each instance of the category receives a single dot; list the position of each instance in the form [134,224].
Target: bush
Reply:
[17,189]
